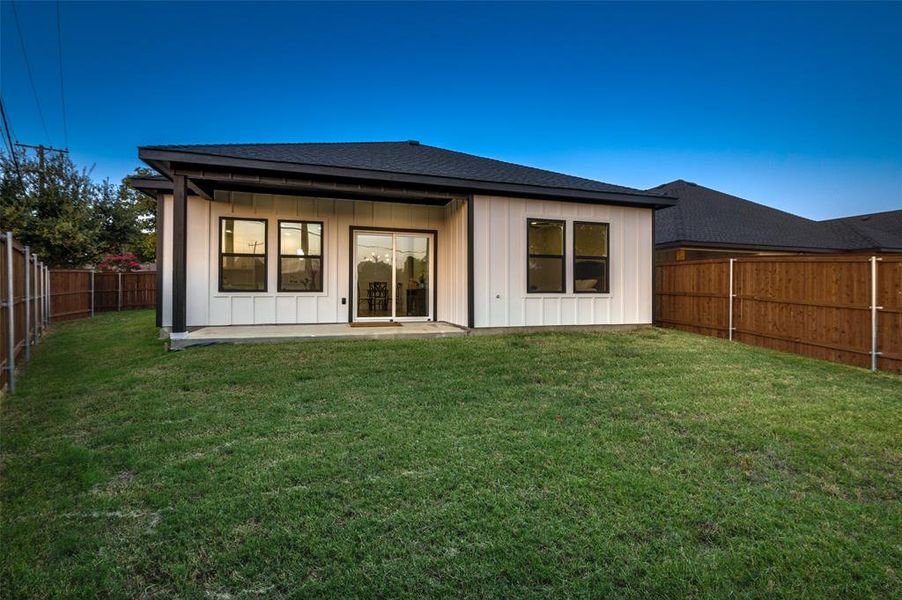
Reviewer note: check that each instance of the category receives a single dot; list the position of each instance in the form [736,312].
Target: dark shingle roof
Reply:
[882,230]
[408,157]
[706,216]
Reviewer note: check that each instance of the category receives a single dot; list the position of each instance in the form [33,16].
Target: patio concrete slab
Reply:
[255,334]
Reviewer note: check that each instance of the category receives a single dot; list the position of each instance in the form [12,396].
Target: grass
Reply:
[652,463]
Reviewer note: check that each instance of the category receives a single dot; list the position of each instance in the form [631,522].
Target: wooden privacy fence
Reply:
[841,308]
[25,313]
[76,294]
[32,296]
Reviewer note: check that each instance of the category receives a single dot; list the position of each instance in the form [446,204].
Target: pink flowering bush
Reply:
[120,263]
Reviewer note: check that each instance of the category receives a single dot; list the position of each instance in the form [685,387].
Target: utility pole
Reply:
[41,149]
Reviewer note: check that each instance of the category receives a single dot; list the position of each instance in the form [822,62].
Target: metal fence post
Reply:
[35,329]
[47,295]
[874,309]
[730,300]
[119,288]
[43,299]
[10,316]
[27,293]
[38,299]
[92,293]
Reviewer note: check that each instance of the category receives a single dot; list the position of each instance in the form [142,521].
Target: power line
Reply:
[9,139]
[59,45]
[34,90]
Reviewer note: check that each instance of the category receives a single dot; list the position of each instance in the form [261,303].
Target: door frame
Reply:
[352,288]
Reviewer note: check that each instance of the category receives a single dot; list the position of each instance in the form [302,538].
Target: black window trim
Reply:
[322,249]
[562,256]
[265,255]
[607,259]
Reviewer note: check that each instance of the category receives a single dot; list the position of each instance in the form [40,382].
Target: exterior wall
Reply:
[452,268]
[167,260]
[499,274]
[207,306]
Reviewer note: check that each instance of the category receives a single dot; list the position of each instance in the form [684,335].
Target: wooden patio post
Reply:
[179,255]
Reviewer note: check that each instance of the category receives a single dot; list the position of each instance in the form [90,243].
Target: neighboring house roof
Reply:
[706,216]
[393,160]
[882,230]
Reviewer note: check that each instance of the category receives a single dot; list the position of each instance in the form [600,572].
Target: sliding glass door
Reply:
[392,276]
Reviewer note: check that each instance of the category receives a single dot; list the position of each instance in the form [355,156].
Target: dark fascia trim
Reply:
[726,246]
[150,185]
[156,157]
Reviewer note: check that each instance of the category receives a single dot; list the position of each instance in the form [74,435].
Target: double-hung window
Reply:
[590,258]
[242,255]
[545,256]
[300,256]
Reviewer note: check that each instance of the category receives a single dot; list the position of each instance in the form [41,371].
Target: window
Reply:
[545,256]
[590,258]
[242,255]
[300,256]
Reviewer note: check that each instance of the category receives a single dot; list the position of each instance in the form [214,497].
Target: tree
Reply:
[144,244]
[69,220]
[51,209]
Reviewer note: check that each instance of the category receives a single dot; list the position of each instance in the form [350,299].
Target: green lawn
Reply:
[627,464]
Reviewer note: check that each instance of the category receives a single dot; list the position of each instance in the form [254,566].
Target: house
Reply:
[392,232]
[706,223]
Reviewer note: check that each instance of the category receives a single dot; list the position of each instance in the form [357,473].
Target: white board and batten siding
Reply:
[500,296]
[206,305]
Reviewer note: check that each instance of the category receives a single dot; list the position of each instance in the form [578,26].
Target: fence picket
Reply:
[843,308]
[32,296]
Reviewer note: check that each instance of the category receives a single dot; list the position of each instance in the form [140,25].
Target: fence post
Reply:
[730,300]
[874,309]
[34,296]
[27,293]
[37,300]
[43,298]
[47,295]
[119,288]
[10,316]
[92,293]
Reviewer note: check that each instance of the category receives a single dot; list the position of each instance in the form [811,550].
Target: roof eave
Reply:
[748,246]
[149,185]
[162,159]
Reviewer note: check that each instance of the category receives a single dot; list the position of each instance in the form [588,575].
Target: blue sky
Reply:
[793,105]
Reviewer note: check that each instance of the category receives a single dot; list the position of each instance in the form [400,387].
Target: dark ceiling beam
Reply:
[227,180]
[203,191]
